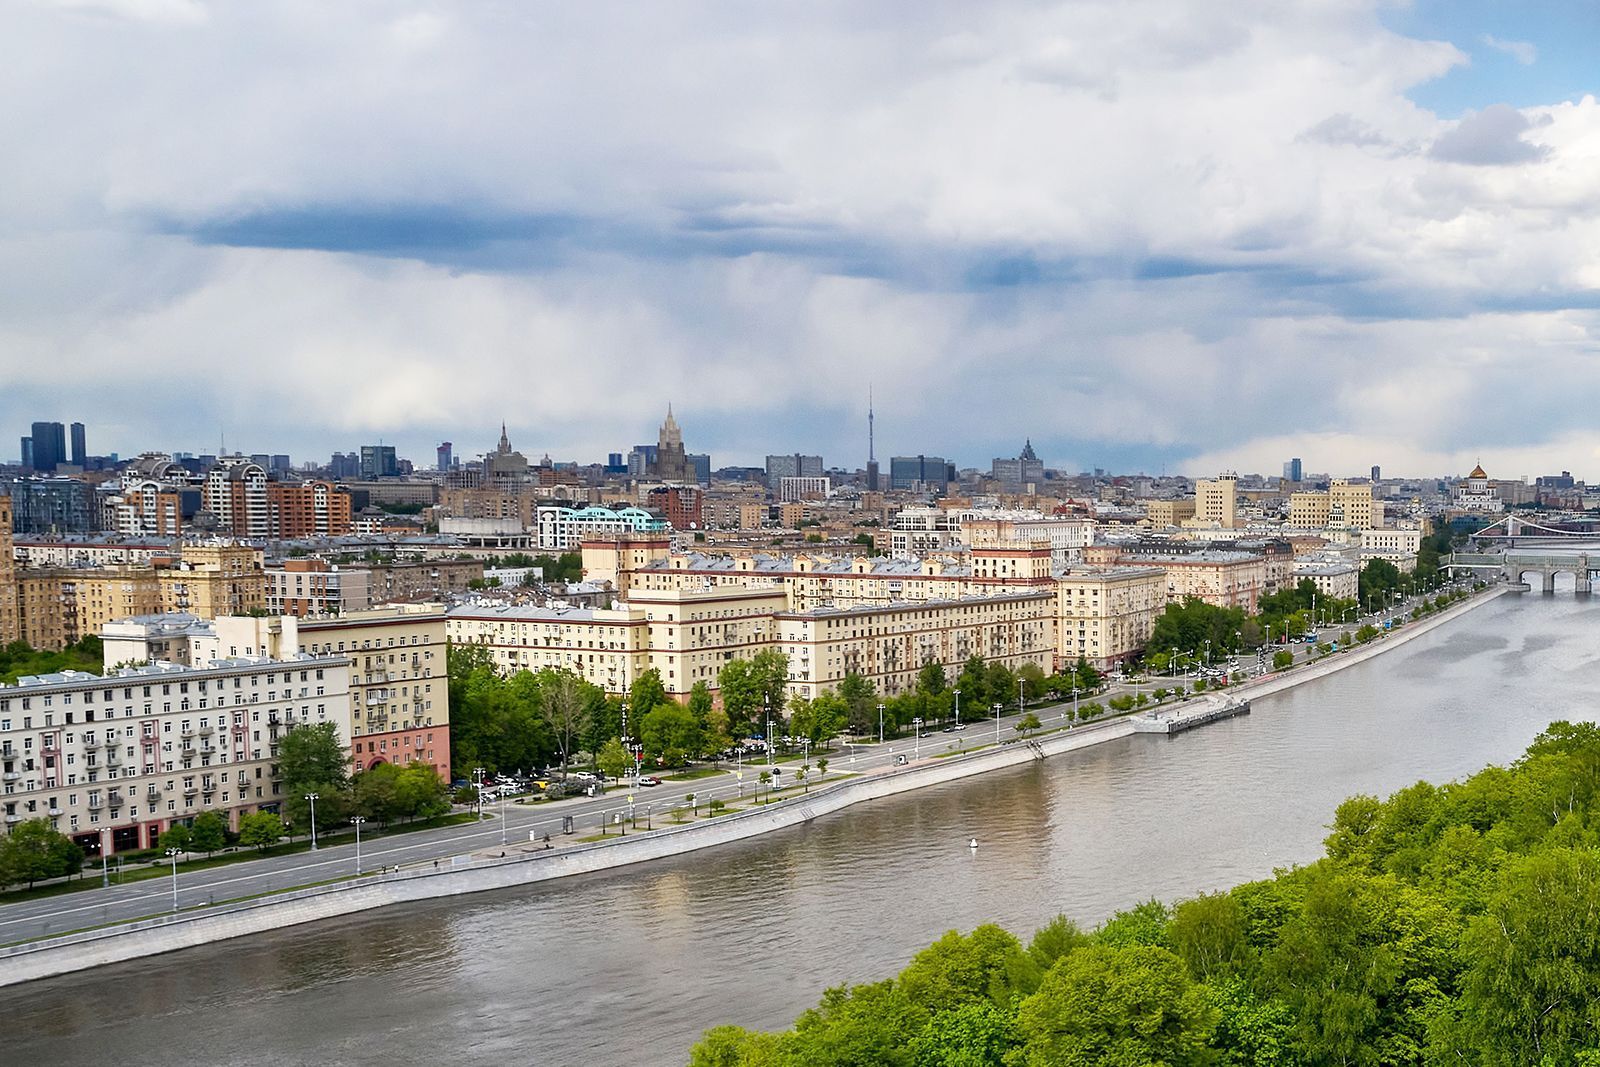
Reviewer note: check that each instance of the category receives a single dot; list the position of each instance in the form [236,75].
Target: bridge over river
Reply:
[1580,559]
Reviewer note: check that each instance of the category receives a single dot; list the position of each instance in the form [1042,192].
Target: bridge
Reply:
[1515,564]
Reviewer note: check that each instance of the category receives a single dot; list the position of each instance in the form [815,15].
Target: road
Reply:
[26,920]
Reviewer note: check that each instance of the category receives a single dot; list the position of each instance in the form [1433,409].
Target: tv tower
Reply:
[872,456]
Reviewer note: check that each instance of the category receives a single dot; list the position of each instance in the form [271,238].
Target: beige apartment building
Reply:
[1345,506]
[1106,614]
[1398,546]
[1164,513]
[10,622]
[889,644]
[214,578]
[1225,578]
[113,761]
[1216,501]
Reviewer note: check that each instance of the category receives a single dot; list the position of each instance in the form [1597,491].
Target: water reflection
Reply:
[633,965]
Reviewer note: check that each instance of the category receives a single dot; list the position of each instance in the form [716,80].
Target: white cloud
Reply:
[756,209]
[1522,51]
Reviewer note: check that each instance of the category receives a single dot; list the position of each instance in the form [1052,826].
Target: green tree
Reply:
[260,830]
[375,794]
[645,695]
[311,756]
[1028,724]
[35,850]
[565,708]
[420,793]
[209,833]
[177,836]
[1105,1004]
[972,1035]
[670,731]
[860,700]
[930,679]
[614,760]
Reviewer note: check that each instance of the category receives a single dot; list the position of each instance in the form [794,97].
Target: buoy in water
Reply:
[973,843]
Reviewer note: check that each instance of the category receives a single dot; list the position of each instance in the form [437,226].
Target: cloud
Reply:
[1491,137]
[1522,51]
[1137,231]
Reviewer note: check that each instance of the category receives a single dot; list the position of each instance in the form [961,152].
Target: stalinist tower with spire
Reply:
[672,465]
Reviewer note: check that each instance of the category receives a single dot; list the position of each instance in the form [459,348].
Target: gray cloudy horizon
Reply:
[1154,236]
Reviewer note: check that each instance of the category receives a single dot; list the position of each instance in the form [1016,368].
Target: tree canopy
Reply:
[1444,925]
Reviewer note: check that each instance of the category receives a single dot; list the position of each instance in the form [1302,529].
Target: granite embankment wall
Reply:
[92,948]
[148,937]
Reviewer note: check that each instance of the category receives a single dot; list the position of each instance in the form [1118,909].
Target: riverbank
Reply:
[521,866]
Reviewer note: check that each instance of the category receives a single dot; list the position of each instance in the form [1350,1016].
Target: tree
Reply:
[311,756]
[930,679]
[645,695]
[209,833]
[35,850]
[565,707]
[800,775]
[669,731]
[860,701]
[375,794]
[420,793]
[1028,724]
[822,768]
[1133,1004]
[614,760]
[260,830]
[177,836]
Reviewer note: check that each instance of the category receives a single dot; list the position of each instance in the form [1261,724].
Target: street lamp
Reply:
[502,818]
[477,800]
[957,692]
[1172,664]
[172,854]
[997,707]
[1019,696]
[358,820]
[313,798]
[916,749]
[880,724]
[105,871]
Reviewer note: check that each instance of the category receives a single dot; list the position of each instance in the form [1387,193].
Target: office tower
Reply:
[444,456]
[792,466]
[27,452]
[1292,470]
[49,446]
[1215,500]
[925,472]
[80,450]
[379,461]
[1377,474]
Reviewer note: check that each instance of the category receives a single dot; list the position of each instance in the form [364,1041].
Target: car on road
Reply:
[649,779]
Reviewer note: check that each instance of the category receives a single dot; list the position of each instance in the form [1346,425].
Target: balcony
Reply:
[11,776]
[207,731]
[95,804]
[190,790]
[113,759]
[53,812]
[188,733]
[12,818]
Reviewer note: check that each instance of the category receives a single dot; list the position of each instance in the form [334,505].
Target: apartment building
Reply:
[113,761]
[1398,546]
[399,681]
[1345,506]
[1334,578]
[10,623]
[235,494]
[889,644]
[1164,513]
[308,509]
[1224,577]
[303,587]
[564,529]
[1106,615]
[1216,502]
[212,578]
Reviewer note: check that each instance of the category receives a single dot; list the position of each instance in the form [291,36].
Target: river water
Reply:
[631,966]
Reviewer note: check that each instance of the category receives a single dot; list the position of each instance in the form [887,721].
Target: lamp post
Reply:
[997,707]
[502,818]
[172,854]
[313,798]
[357,820]
[957,692]
[880,724]
[1019,696]
[477,800]
[1172,664]
[1074,703]
[916,748]
[766,702]
[105,870]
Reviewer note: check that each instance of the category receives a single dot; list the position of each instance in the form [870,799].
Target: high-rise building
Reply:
[792,466]
[280,464]
[236,495]
[80,448]
[925,472]
[1215,500]
[345,465]
[379,461]
[672,463]
[1377,474]
[1292,470]
[444,456]
[49,446]
[27,452]
[1026,469]
[700,467]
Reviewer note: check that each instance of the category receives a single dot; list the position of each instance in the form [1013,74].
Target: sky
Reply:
[1150,235]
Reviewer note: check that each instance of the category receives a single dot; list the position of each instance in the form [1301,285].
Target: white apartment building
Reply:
[564,529]
[113,761]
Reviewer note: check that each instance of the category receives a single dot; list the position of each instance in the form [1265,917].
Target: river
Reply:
[631,966]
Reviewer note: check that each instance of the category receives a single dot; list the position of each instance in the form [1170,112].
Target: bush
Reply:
[1280,660]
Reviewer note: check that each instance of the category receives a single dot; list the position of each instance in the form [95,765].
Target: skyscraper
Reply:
[378,461]
[1292,470]
[49,446]
[672,464]
[80,450]
[445,456]
[27,452]
[1377,474]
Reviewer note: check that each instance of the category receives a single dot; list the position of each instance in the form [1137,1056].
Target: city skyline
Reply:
[1167,238]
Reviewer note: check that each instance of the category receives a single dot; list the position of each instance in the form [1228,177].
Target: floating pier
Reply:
[1180,719]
